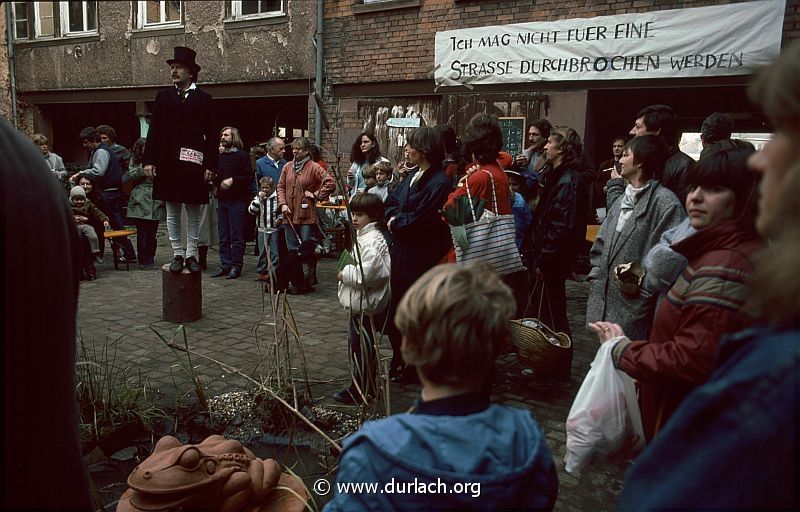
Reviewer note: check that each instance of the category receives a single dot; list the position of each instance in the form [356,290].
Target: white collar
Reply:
[191,87]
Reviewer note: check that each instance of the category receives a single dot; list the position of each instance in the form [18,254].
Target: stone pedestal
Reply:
[182,295]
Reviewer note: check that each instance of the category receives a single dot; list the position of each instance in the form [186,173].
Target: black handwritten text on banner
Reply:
[732,39]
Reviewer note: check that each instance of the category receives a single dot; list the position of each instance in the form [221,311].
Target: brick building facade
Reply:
[379,63]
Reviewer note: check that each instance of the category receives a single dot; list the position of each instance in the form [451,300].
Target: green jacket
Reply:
[141,204]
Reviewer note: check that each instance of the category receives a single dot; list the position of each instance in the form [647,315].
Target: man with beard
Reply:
[182,148]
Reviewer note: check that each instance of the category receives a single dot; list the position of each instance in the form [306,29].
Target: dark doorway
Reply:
[68,119]
[611,112]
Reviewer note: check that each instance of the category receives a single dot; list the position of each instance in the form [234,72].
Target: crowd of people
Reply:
[702,310]
[692,234]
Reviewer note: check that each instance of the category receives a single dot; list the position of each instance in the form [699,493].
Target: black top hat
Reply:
[185,56]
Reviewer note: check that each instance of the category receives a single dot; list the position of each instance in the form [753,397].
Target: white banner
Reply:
[731,39]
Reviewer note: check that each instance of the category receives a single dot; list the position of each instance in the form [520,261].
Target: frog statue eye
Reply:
[193,460]
[189,459]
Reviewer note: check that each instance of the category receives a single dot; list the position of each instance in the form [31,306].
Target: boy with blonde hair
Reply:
[455,450]
[382,172]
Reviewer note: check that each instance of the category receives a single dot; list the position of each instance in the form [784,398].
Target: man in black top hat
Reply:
[181,153]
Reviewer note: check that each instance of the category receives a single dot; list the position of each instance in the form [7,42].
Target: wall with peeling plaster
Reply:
[123,57]
[5,79]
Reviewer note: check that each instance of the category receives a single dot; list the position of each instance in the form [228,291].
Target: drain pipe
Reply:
[11,73]
[318,84]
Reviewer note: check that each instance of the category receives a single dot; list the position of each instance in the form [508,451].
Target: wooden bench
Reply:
[116,247]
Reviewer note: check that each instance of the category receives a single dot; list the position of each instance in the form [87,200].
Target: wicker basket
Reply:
[538,347]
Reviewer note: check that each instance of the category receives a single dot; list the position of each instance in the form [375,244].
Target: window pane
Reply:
[249,7]
[75,15]
[46,28]
[273,5]
[153,12]
[20,20]
[46,25]
[91,15]
[21,29]
[173,11]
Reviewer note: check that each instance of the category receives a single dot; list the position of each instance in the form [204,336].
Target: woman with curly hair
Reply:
[364,153]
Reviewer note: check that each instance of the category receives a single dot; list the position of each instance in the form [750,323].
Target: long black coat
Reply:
[420,236]
[175,125]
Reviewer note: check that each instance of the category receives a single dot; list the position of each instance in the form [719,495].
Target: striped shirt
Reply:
[266,211]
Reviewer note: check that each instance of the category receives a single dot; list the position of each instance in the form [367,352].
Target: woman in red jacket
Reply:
[706,299]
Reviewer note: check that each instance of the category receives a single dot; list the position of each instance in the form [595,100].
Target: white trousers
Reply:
[193,213]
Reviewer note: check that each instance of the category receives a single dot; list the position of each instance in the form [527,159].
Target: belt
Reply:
[110,189]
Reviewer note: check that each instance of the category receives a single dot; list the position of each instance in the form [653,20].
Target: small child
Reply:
[369,178]
[455,322]
[265,207]
[364,291]
[84,212]
[522,213]
[383,180]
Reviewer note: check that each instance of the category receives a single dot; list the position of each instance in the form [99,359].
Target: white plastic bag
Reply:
[604,419]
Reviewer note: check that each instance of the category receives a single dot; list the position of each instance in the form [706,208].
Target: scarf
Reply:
[298,165]
[629,200]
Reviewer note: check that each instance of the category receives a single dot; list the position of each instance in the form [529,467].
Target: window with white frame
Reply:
[159,14]
[43,20]
[247,9]
[78,18]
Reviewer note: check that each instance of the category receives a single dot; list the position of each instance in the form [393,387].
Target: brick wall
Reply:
[397,44]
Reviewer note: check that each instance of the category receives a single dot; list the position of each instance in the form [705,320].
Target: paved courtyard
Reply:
[236,329]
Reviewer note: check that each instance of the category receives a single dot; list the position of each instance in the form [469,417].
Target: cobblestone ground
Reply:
[236,324]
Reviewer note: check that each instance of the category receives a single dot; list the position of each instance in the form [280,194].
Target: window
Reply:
[20,20]
[159,14]
[247,9]
[43,20]
[78,17]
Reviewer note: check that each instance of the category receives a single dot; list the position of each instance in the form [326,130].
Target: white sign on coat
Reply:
[732,39]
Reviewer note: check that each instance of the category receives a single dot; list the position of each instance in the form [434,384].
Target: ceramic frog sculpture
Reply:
[216,475]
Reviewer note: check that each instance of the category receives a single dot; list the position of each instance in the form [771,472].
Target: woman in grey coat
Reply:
[633,226]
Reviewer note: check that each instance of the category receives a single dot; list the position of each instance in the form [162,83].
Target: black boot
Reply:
[203,251]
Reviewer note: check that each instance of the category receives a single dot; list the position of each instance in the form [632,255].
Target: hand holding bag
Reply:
[491,238]
[604,419]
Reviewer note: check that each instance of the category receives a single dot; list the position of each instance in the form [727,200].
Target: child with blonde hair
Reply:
[454,322]
[382,171]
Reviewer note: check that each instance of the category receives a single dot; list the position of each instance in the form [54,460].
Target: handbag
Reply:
[491,238]
[538,346]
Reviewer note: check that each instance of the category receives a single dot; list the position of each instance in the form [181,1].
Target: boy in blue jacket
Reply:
[455,450]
